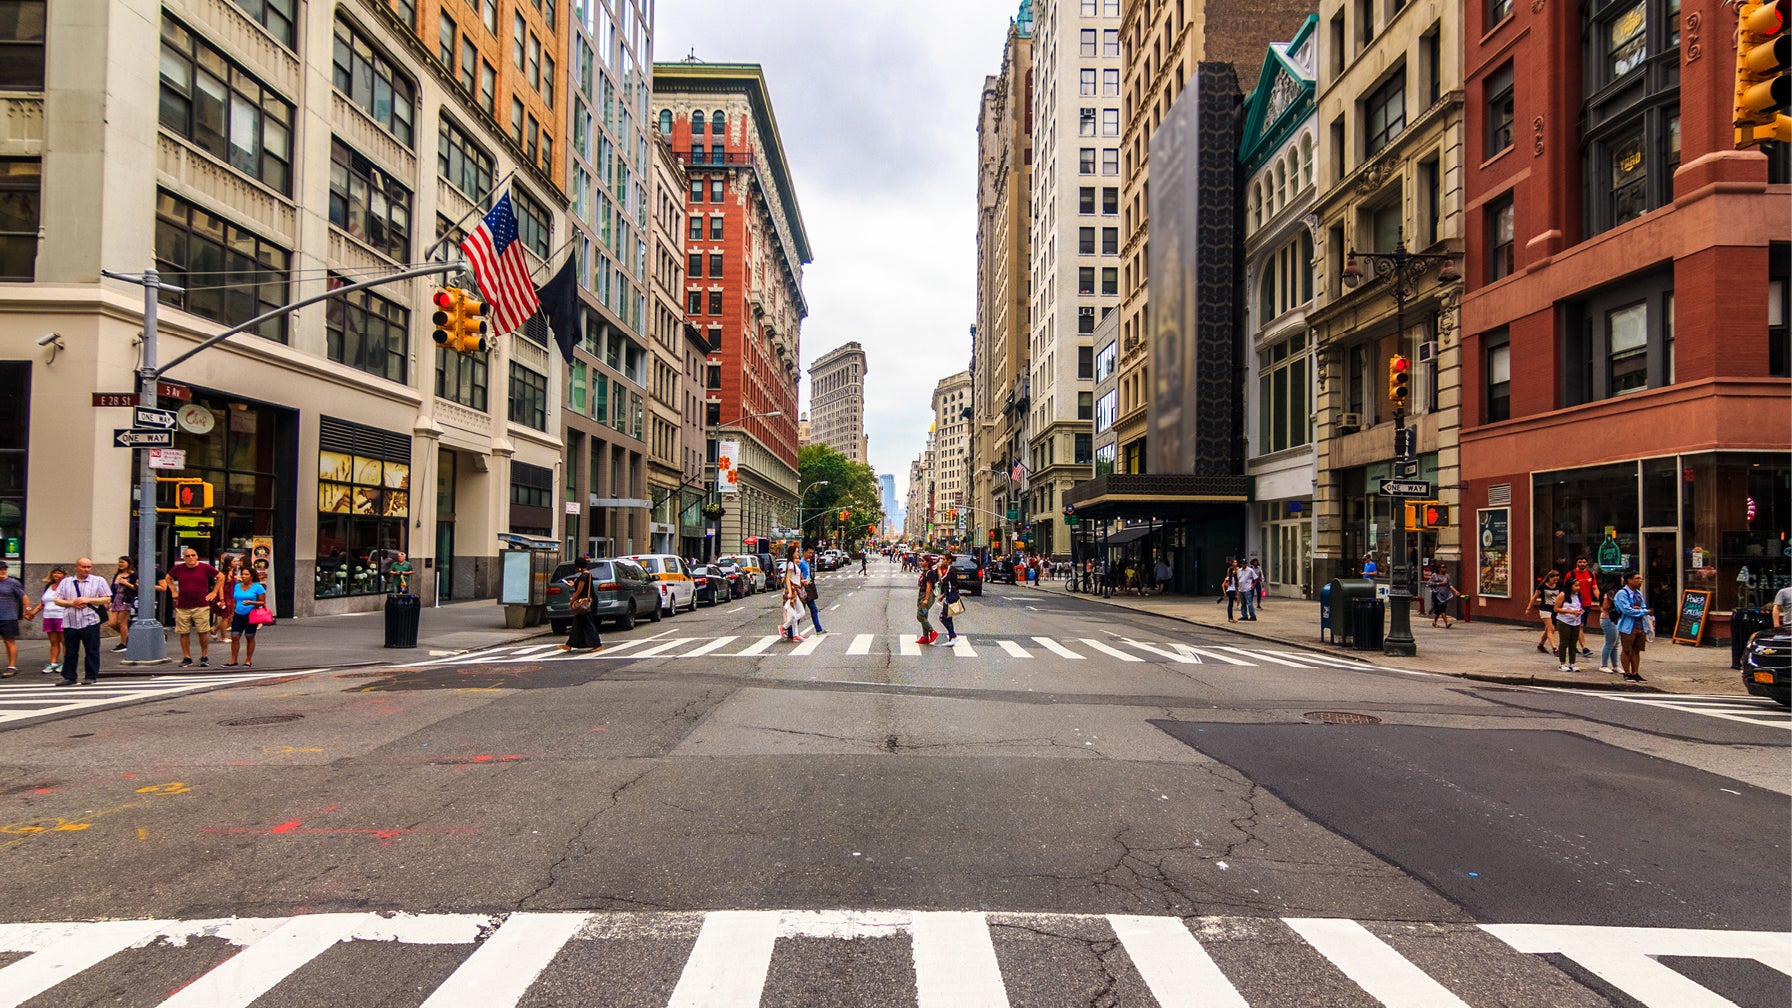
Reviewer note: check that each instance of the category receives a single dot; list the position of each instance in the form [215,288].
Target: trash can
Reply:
[1344,593]
[1745,623]
[1367,617]
[403,612]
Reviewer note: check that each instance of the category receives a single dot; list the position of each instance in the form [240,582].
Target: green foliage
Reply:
[850,485]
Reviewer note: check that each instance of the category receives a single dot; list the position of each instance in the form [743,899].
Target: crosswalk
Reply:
[669,645]
[1750,710]
[25,698]
[930,959]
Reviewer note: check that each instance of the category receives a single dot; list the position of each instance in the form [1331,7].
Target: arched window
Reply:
[1306,159]
[665,120]
[1256,204]
[696,124]
[1281,184]
[718,123]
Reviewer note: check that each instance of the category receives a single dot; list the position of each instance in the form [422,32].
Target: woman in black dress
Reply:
[583,634]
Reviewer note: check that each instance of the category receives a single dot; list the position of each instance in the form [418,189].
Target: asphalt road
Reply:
[1074,805]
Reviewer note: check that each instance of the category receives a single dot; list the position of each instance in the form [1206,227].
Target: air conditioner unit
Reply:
[1354,421]
[1427,351]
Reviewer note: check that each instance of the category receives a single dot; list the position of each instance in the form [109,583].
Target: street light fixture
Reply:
[1403,270]
[802,494]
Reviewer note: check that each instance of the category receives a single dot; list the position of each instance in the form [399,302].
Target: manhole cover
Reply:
[265,719]
[1340,717]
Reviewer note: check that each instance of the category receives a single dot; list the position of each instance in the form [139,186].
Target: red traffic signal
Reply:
[1399,382]
[1435,516]
[1763,54]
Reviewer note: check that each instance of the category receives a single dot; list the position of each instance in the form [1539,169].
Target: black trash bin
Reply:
[1368,616]
[403,612]
[1745,623]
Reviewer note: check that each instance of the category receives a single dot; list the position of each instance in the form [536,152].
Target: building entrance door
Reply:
[444,559]
[1661,576]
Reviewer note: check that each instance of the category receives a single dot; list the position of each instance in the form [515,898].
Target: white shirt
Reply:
[71,588]
[1247,578]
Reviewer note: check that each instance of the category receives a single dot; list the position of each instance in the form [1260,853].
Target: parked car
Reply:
[1766,664]
[755,571]
[739,584]
[1001,572]
[711,585]
[620,592]
[969,574]
[676,587]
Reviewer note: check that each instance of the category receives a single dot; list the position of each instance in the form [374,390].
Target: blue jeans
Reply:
[815,615]
[1247,603]
[1608,656]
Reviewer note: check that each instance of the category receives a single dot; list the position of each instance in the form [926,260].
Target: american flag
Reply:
[499,266]
[1019,470]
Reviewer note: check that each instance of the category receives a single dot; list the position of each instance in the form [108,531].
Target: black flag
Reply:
[560,303]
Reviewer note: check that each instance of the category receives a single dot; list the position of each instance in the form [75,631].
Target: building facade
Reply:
[1389,169]
[1625,347]
[333,436]
[1279,142]
[886,486]
[1000,340]
[745,249]
[951,455]
[837,401]
[917,515]
[675,414]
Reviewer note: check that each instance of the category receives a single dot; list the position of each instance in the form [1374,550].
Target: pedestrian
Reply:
[1635,624]
[14,609]
[83,598]
[950,601]
[1229,586]
[228,565]
[48,603]
[1261,582]
[195,586]
[1442,591]
[793,595]
[1543,601]
[811,597]
[1369,567]
[1582,582]
[1246,580]
[401,575]
[581,633]
[246,596]
[924,588]
[123,606]
[1569,615]
[1609,660]
[1782,607]
[1162,574]
[864,556]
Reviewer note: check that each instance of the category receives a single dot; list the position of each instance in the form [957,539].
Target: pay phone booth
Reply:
[524,566]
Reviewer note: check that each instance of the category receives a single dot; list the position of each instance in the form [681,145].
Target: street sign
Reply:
[106,399]
[142,438]
[156,419]
[1406,488]
[167,458]
[169,390]
[1406,468]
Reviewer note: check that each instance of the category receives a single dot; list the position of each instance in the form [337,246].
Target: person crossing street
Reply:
[925,593]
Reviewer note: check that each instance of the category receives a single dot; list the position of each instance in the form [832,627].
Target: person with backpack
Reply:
[1635,623]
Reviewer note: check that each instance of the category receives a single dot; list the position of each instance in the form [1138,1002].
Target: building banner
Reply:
[727,474]
[1493,536]
[261,557]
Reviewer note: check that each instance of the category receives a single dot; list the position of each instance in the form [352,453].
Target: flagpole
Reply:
[436,246]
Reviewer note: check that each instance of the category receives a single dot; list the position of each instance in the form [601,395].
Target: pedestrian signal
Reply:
[459,321]
[178,495]
[1435,515]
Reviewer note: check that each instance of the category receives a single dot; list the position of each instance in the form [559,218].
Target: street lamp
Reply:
[1403,270]
[715,484]
[802,493]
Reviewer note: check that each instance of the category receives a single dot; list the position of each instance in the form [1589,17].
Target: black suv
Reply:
[1767,663]
[968,573]
[1002,571]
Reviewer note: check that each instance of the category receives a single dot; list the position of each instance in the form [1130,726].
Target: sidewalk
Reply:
[347,639]
[1490,652]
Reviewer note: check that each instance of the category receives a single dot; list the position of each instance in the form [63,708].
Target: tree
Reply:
[851,486]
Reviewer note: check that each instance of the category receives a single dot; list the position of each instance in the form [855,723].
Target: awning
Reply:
[1127,535]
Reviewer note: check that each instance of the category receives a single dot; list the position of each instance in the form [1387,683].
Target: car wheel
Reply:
[559,626]
[656,616]
[693,607]
[627,620]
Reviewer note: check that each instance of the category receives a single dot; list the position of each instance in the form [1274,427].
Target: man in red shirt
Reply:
[194,585]
[1585,584]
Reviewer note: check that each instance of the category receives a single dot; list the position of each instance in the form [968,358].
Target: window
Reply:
[462,163]
[1085,241]
[516,120]
[715,190]
[1110,122]
[547,80]
[1384,113]
[1110,83]
[695,267]
[1085,280]
[695,231]
[274,15]
[1085,321]
[1086,42]
[1624,40]
[531,223]
[1085,122]
[20,207]
[223,110]
[366,77]
[1284,396]
[693,302]
[712,376]
[1499,375]
[1085,362]
[1497,11]
[1105,410]
[1498,89]
[22,45]
[1110,42]
[445,48]
[1627,330]
[1085,161]
[1628,198]
[367,332]
[489,14]
[1085,200]
[469,65]
[1110,281]
[488,88]
[1086,82]
[193,239]
[1619,340]
[368,203]
[715,264]
[1105,361]
[531,485]
[533,60]
[1499,238]
[1083,447]
[1110,160]
[519,35]
[718,123]
[1110,201]
[715,228]
[1110,241]
[715,302]
[528,398]
[362,508]
[666,121]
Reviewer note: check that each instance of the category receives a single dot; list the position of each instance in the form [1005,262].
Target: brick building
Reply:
[1625,360]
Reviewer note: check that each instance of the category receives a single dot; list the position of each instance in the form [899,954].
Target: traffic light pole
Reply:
[1399,641]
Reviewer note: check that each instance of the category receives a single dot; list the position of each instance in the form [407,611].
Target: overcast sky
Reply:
[877,107]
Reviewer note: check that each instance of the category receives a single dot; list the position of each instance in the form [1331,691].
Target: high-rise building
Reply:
[917,516]
[999,342]
[614,424]
[886,484]
[256,155]
[675,390]
[951,453]
[745,249]
[837,401]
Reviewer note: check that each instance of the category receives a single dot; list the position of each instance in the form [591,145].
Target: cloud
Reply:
[877,109]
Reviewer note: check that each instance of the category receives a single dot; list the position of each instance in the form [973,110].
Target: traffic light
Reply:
[1070,510]
[994,536]
[181,494]
[1762,85]
[459,321]
[843,513]
[1433,515]
[1399,382]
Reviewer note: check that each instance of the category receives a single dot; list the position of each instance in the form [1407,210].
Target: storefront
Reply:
[1369,518]
[363,507]
[1193,522]
[1285,537]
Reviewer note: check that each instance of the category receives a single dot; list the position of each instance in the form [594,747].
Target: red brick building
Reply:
[745,249]
[1625,391]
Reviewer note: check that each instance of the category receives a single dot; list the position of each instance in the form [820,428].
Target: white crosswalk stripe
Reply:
[1751,710]
[22,699]
[952,957]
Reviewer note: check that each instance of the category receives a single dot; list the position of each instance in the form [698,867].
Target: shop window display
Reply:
[362,505]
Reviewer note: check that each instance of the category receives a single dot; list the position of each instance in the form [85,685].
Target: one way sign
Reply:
[155,419]
[142,438]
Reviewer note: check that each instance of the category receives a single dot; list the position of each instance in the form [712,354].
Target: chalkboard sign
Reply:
[1691,625]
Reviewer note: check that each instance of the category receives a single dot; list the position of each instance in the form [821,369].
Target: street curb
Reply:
[170,669]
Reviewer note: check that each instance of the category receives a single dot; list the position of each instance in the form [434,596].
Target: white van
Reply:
[674,579]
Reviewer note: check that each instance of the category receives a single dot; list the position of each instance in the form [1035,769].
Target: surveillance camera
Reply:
[48,338]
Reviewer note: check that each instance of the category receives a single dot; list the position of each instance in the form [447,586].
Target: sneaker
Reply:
[921,639]
[204,662]
[952,638]
[185,663]
[10,672]
[1633,677]
[796,639]
[119,647]
[1564,668]
[933,636]
[65,682]
[1571,668]
[1584,653]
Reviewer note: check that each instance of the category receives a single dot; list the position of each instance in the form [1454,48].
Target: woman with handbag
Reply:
[248,614]
[951,604]
[1442,591]
[794,602]
[124,602]
[582,633]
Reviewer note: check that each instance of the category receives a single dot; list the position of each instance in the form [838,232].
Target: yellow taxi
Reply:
[673,577]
